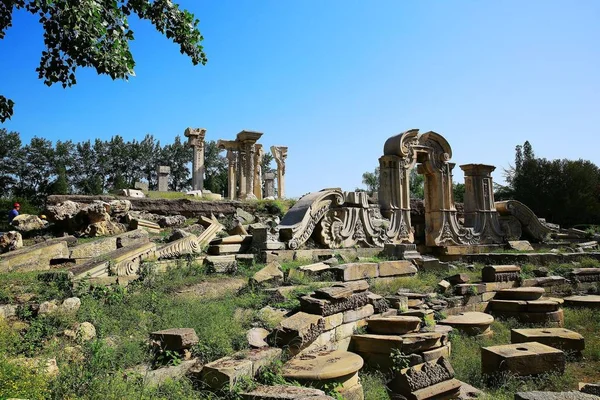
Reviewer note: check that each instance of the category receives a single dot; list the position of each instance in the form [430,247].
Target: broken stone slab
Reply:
[269,274]
[157,377]
[544,281]
[468,392]
[297,331]
[520,245]
[327,307]
[458,279]
[342,290]
[221,264]
[500,273]
[151,227]
[28,223]
[380,305]
[103,246]
[257,337]
[522,359]
[224,373]
[444,286]
[395,325]
[469,288]
[587,301]
[260,358]
[212,227]
[471,323]
[175,338]
[427,316]
[285,392]
[398,302]
[396,268]
[559,338]
[521,293]
[536,395]
[407,381]
[124,261]
[219,249]
[36,257]
[356,271]
[359,313]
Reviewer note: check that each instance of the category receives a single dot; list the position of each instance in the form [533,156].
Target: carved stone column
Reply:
[258,158]
[269,184]
[247,141]
[231,178]
[163,178]
[196,142]
[280,154]
[479,196]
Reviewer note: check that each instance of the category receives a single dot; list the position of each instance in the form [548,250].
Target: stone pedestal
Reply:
[163,178]
[196,142]
[280,154]
[269,184]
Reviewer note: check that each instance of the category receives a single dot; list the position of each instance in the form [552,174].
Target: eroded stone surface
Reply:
[176,338]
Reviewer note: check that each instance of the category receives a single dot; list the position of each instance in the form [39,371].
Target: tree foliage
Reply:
[96,34]
[371,181]
[566,192]
[39,168]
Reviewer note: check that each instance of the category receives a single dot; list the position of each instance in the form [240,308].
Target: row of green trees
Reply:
[34,170]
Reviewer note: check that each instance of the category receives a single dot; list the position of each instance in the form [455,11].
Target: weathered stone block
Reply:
[396,268]
[225,372]
[559,338]
[522,293]
[396,325]
[522,359]
[360,313]
[34,258]
[356,271]
[260,358]
[333,321]
[345,331]
[175,338]
[500,273]
[324,307]
[298,331]
[421,376]
[342,290]
[284,392]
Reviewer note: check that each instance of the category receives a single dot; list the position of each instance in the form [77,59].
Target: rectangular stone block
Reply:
[500,273]
[469,288]
[496,286]
[333,321]
[360,313]
[397,268]
[151,227]
[327,307]
[356,271]
[341,290]
[34,258]
[298,331]
[260,358]
[225,372]
[345,331]
[522,359]
[175,339]
[221,264]
[559,338]
[376,344]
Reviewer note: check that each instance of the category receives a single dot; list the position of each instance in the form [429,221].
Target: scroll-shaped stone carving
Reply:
[354,224]
[530,223]
[179,248]
[300,221]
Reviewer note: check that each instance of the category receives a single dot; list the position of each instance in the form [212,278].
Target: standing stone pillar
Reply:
[269,184]
[247,141]
[231,178]
[280,154]
[258,158]
[163,178]
[479,193]
[196,142]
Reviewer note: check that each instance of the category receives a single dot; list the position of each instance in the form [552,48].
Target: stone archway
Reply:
[432,153]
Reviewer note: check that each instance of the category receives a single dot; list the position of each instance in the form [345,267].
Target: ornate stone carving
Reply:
[280,154]
[179,248]
[300,221]
[530,223]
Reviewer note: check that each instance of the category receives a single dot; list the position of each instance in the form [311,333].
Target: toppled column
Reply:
[280,154]
[196,142]
[163,172]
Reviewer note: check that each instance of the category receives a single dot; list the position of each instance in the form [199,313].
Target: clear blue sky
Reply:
[334,79]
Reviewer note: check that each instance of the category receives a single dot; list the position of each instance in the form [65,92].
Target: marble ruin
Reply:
[244,157]
[280,154]
[196,142]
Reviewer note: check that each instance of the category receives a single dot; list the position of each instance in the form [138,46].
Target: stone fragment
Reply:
[535,395]
[588,301]
[175,338]
[397,268]
[360,313]
[356,271]
[333,321]
[522,359]
[458,279]
[269,274]
[520,245]
[224,373]
[380,305]
[171,221]
[559,338]
[151,227]
[10,241]
[468,392]
[443,286]
[545,281]
[260,358]
[398,302]
[104,228]
[28,223]
[500,273]
[341,290]
[421,376]
[272,316]
[422,341]
[471,289]
[71,305]
[522,293]
[36,257]
[47,366]
[221,264]
[47,307]
[327,307]
[157,377]
[7,311]
[124,261]
[298,331]
[85,332]
[395,325]
[256,337]
[284,392]
[376,343]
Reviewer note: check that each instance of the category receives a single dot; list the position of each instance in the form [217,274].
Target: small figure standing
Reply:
[14,212]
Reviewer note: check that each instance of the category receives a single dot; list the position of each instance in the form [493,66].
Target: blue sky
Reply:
[334,79]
